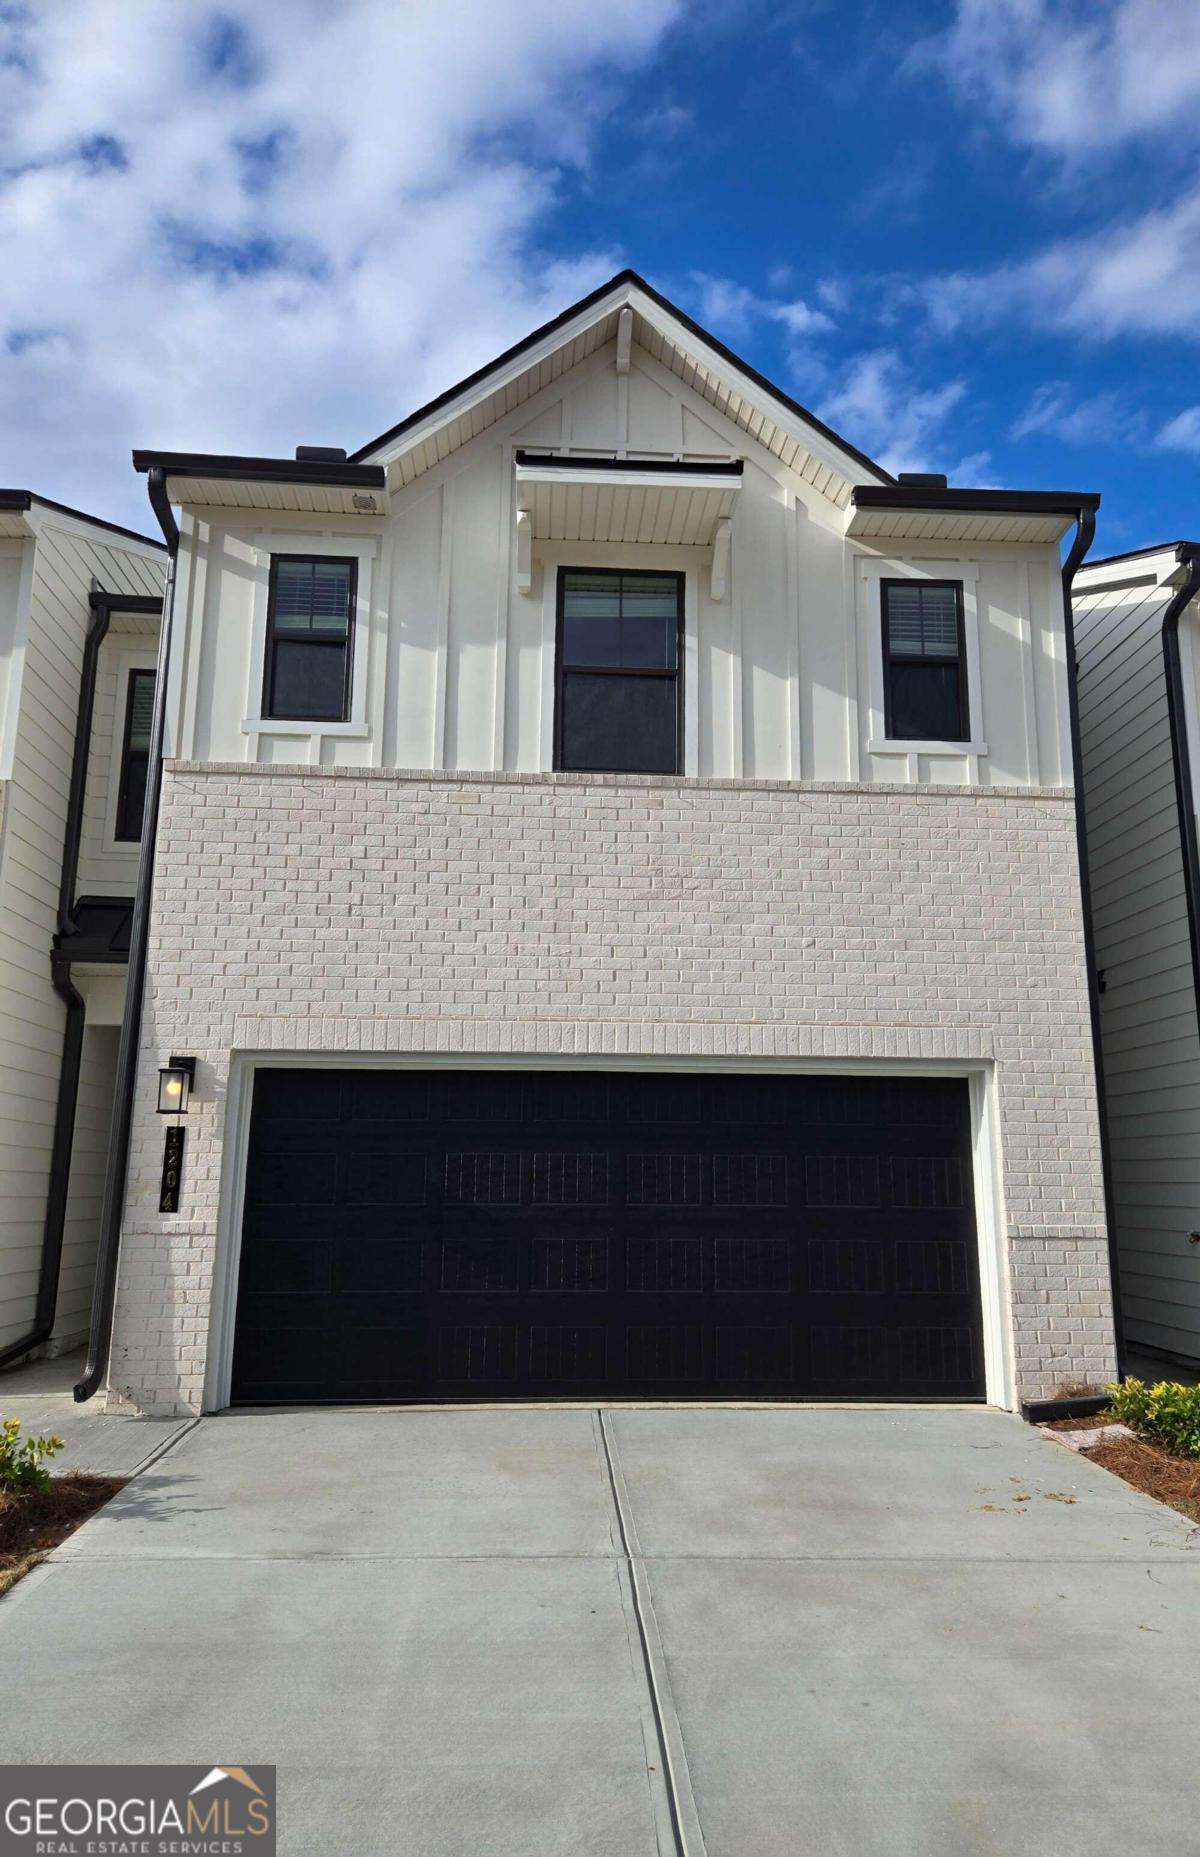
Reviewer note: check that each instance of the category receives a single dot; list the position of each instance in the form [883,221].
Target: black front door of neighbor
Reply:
[450,1234]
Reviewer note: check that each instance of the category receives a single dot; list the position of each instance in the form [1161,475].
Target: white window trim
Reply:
[130,658]
[551,556]
[871,573]
[362,549]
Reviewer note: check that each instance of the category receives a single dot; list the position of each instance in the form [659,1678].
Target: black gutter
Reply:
[1072,503]
[1188,554]
[671,467]
[594,297]
[104,1293]
[103,604]
[1085,515]
[331,476]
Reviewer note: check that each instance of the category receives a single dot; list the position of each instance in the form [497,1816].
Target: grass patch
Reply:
[34,1521]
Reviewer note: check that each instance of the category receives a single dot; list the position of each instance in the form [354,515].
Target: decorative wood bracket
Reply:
[524,550]
[722,538]
[624,339]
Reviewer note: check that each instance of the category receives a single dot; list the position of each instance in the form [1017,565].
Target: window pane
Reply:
[141,711]
[922,620]
[619,725]
[925,703]
[621,620]
[133,798]
[312,596]
[591,638]
[308,680]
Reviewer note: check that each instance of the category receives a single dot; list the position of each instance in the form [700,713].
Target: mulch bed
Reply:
[33,1521]
[1075,1423]
[1173,1480]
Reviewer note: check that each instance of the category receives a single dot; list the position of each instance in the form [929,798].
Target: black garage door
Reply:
[497,1234]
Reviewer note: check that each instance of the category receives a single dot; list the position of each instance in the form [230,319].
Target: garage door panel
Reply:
[456,1234]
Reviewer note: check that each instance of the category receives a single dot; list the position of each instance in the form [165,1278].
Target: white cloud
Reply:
[1076,78]
[731,309]
[879,406]
[1141,277]
[1094,419]
[244,228]
[1181,433]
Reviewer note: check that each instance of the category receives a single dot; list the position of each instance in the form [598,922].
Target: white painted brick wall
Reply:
[375,911]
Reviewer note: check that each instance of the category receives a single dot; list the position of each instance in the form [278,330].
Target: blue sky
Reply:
[965,232]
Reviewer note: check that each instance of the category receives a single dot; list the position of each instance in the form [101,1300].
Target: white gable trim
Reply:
[685,353]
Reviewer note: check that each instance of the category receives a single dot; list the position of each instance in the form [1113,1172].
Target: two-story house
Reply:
[80,602]
[1138,627]
[616,906]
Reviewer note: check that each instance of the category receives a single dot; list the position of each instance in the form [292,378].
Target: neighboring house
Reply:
[79,619]
[617,879]
[1137,620]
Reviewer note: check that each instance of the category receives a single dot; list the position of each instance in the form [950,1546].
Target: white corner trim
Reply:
[722,540]
[524,550]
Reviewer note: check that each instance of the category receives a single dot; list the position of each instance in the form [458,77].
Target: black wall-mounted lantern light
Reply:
[175,1081]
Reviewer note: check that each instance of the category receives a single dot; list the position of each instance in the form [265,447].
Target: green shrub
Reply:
[1167,1412]
[21,1458]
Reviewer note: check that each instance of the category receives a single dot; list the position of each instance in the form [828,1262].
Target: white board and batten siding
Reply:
[44,617]
[782,674]
[1149,1031]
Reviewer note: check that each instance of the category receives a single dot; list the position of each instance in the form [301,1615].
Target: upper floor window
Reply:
[135,756]
[309,638]
[924,661]
[619,694]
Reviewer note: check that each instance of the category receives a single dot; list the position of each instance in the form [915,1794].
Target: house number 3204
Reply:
[172,1173]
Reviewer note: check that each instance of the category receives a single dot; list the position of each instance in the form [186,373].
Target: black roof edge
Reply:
[262,470]
[985,502]
[552,460]
[1183,551]
[593,297]
[25,499]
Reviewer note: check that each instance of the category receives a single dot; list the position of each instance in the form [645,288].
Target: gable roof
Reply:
[728,383]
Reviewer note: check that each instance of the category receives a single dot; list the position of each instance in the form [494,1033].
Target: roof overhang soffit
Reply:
[629,500]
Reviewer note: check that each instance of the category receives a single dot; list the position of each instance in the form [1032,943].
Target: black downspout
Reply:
[54,1223]
[104,1294]
[1084,534]
[1181,752]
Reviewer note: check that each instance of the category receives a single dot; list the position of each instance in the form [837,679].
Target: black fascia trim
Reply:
[636,282]
[676,467]
[1181,551]
[262,470]
[25,499]
[984,502]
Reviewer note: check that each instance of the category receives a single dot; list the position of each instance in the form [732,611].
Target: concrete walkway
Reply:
[104,1444]
[630,1633]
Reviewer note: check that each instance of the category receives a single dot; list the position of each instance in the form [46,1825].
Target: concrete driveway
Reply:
[568,1633]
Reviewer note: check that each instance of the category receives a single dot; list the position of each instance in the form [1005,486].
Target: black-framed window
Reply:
[925,661]
[310,638]
[135,756]
[619,688]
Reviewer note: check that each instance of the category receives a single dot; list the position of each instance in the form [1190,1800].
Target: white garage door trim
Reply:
[985,1132]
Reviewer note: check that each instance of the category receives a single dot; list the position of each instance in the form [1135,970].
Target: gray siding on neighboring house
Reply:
[1149,1031]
